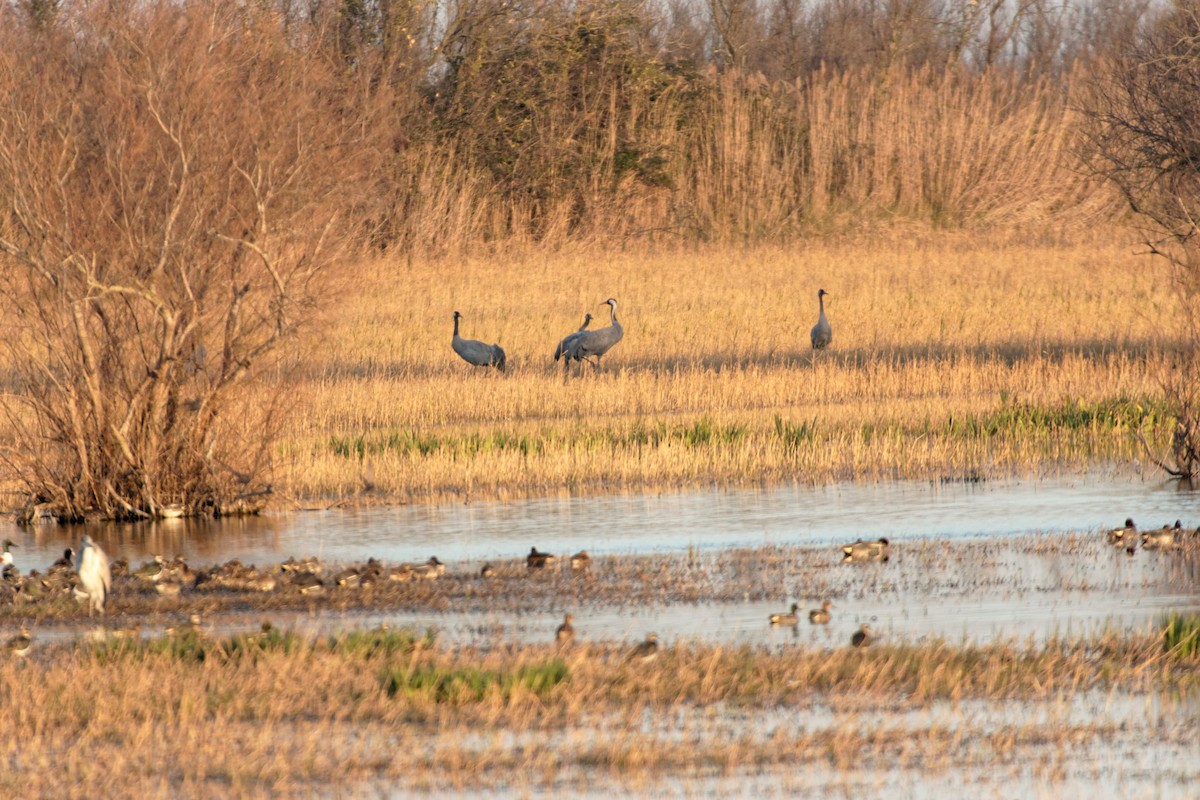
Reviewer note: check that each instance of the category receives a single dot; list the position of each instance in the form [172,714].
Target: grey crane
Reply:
[476,352]
[94,574]
[594,344]
[822,334]
[565,345]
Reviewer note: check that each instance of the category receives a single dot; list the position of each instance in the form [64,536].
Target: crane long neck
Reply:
[612,314]
[820,299]
[456,325]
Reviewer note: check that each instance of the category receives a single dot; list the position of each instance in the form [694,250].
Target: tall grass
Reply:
[951,356]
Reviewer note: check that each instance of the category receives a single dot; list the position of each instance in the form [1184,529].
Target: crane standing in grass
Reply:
[475,352]
[564,346]
[94,574]
[594,344]
[822,334]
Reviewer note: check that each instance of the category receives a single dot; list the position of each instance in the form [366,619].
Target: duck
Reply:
[261,583]
[1118,536]
[644,651]
[370,573]
[867,551]
[581,561]
[152,571]
[566,631]
[787,618]
[430,570]
[8,571]
[308,583]
[487,571]
[65,562]
[862,637]
[168,587]
[178,570]
[347,577]
[310,565]
[194,626]
[820,616]
[1162,539]
[19,645]
[538,560]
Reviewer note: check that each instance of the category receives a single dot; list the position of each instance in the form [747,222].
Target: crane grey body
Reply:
[94,574]
[565,345]
[594,344]
[475,352]
[822,334]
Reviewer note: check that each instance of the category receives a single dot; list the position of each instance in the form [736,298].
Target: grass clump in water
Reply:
[1181,634]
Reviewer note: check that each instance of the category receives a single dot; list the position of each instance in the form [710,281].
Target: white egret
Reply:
[94,574]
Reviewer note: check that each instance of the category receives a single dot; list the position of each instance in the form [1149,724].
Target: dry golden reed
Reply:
[951,357]
[270,713]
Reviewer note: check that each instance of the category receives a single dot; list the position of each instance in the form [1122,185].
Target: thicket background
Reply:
[548,120]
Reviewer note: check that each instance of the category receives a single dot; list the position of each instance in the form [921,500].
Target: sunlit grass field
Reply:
[951,359]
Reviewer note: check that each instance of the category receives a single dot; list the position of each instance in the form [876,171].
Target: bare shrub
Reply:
[1143,133]
[170,175]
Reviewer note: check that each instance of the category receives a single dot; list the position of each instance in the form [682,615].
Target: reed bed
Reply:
[950,358]
[272,713]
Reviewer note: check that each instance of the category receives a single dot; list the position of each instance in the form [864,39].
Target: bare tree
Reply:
[1144,137]
[169,176]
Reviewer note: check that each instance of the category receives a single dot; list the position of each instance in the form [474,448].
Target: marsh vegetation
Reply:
[271,712]
[210,313]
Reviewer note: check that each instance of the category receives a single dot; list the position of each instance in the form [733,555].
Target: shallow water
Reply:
[1012,570]
[625,524]
[1009,570]
[1101,744]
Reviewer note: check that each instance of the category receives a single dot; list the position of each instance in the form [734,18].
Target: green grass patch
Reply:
[1014,418]
[379,642]
[1181,634]
[794,436]
[193,646]
[470,684]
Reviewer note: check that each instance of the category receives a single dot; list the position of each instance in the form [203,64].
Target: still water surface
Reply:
[625,524]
